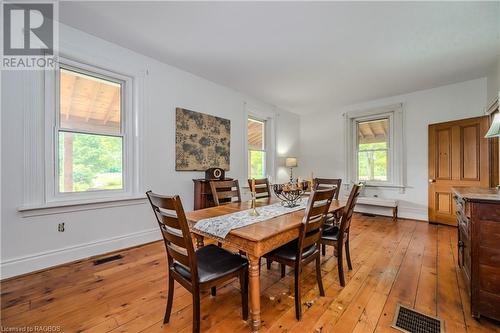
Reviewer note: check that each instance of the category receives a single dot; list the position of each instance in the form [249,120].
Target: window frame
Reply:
[395,160]
[390,153]
[264,144]
[257,112]
[129,150]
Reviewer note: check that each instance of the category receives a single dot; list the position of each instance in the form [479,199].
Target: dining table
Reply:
[255,240]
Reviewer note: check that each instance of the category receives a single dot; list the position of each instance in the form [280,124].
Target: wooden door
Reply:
[458,156]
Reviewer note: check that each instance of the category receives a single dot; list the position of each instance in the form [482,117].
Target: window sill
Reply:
[385,185]
[79,205]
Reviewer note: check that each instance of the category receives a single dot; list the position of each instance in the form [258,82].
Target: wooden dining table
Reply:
[255,240]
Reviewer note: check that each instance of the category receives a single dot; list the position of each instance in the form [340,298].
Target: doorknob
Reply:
[432,180]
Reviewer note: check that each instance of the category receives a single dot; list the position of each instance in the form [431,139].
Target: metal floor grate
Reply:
[107,259]
[411,321]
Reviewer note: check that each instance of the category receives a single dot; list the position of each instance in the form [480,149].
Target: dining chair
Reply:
[325,183]
[306,248]
[262,188]
[194,270]
[338,235]
[225,191]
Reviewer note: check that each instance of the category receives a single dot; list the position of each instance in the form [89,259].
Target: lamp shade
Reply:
[494,128]
[291,162]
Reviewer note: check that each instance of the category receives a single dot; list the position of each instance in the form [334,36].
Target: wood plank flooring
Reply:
[407,262]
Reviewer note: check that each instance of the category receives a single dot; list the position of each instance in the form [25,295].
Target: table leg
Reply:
[254,280]
[199,241]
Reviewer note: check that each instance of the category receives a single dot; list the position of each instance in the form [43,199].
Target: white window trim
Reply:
[130,138]
[269,139]
[396,160]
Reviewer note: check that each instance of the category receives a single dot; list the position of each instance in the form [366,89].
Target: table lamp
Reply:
[494,130]
[291,162]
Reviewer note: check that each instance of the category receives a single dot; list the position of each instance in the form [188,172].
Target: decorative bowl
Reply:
[290,194]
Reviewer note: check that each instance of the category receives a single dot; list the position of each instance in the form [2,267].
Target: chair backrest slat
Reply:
[311,238]
[227,194]
[326,183]
[345,222]
[262,188]
[164,202]
[317,210]
[168,219]
[178,255]
[225,191]
[314,217]
[172,236]
[172,221]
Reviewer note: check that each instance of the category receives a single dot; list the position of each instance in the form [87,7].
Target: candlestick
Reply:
[253,211]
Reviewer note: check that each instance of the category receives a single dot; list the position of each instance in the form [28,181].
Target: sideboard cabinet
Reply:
[203,194]
[478,217]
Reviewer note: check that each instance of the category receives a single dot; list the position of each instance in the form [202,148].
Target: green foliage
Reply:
[372,161]
[257,161]
[97,162]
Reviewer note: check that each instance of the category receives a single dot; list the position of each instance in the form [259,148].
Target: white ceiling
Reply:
[306,56]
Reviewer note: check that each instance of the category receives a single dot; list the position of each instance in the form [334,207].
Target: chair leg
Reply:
[268,263]
[323,249]
[170,298]
[283,270]
[340,267]
[348,254]
[318,276]
[298,303]
[213,291]
[244,293]
[196,310]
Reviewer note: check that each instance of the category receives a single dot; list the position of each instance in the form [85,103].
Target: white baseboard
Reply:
[31,263]
[406,212]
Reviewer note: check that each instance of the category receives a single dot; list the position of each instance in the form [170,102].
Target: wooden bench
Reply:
[373,201]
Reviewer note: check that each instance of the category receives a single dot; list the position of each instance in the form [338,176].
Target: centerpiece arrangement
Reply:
[291,193]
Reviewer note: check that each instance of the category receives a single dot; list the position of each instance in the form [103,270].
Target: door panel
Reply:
[443,159]
[444,203]
[470,152]
[458,156]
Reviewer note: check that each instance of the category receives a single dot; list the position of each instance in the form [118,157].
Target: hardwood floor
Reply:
[407,262]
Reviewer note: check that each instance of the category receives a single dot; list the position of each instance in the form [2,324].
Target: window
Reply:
[92,152]
[374,146]
[90,132]
[256,133]
[373,150]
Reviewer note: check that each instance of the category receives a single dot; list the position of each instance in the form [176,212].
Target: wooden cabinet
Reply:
[478,219]
[203,194]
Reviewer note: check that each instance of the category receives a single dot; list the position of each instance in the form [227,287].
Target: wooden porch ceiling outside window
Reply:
[89,103]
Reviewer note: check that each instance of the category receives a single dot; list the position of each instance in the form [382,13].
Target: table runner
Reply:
[220,226]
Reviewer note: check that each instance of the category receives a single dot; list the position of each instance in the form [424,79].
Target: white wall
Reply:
[322,138]
[33,243]
[493,82]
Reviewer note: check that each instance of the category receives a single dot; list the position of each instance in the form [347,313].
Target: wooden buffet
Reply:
[478,217]
[202,193]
